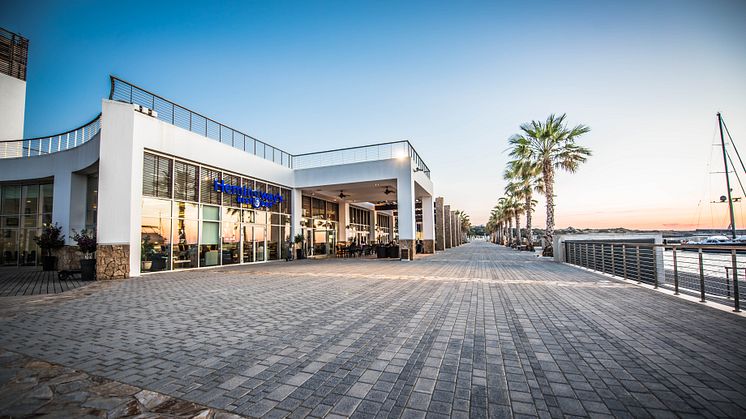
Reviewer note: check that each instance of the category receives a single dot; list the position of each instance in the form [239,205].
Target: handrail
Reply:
[175,114]
[29,147]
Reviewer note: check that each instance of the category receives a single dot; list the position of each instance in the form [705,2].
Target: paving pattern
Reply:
[475,331]
[33,281]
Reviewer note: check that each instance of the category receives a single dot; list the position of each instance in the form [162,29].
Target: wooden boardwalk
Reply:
[34,281]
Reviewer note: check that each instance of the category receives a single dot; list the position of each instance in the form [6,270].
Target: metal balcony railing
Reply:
[54,143]
[714,272]
[373,152]
[180,116]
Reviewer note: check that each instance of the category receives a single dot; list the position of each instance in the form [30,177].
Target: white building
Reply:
[167,188]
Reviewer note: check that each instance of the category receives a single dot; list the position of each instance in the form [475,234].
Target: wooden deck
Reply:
[33,281]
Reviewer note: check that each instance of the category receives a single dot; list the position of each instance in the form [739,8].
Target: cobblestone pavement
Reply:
[475,331]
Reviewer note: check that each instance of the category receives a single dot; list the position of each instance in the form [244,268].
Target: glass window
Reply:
[155,244]
[185,244]
[332,211]
[11,200]
[248,216]
[91,205]
[306,205]
[248,184]
[157,208]
[274,242]
[156,176]
[207,187]
[210,213]
[185,181]
[319,209]
[30,199]
[9,247]
[230,199]
[47,192]
[208,253]
[186,210]
[231,235]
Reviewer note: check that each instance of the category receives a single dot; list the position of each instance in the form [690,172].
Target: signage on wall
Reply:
[244,195]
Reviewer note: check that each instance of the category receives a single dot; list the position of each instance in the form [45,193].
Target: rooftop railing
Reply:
[182,117]
[46,145]
[373,152]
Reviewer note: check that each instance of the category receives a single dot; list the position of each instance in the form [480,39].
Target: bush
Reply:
[86,241]
[50,239]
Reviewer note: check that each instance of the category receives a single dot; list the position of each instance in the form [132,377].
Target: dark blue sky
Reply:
[455,78]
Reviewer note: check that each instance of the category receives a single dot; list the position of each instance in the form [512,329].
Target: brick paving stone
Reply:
[478,331]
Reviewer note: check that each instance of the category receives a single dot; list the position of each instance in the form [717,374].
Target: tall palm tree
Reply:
[525,179]
[552,145]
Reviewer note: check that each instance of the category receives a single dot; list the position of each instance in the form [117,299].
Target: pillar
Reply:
[428,224]
[440,237]
[454,229]
[405,204]
[296,214]
[344,221]
[448,226]
[373,223]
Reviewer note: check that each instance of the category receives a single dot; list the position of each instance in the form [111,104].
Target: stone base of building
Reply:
[411,245]
[112,261]
[429,246]
[68,258]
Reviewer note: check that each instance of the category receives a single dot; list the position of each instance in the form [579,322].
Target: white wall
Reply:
[12,107]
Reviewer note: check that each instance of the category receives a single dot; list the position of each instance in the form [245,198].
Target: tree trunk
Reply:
[518,228]
[528,223]
[549,190]
[510,228]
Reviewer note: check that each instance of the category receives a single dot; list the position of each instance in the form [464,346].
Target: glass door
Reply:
[247,243]
[260,243]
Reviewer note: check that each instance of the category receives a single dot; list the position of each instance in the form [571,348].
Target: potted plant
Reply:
[147,249]
[50,239]
[86,241]
[298,239]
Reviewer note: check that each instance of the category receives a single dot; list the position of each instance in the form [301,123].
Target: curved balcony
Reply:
[52,144]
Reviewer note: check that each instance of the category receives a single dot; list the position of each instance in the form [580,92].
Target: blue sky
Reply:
[455,78]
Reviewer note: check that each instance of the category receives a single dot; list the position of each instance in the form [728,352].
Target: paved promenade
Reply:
[475,331]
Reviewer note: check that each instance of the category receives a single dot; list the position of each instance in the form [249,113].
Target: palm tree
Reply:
[524,181]
[551,145]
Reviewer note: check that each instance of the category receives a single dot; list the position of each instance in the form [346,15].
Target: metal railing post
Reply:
[637,256]
[701,278]
[675,274]
[727,282]
[736,297]
[603,259]
[655,266]
[624,260]
[595,265]
[613,270]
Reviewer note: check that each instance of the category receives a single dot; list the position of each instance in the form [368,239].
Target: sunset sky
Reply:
[455,78]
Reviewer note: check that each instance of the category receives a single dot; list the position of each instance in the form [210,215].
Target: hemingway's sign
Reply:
[244,195]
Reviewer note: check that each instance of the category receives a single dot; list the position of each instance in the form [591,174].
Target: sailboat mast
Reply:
[727,179]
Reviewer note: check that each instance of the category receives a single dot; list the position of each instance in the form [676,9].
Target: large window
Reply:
[24,209]
[91,202]
[201,226]
[359,225]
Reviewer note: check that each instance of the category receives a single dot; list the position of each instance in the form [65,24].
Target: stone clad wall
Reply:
[112,261]
[447,224]
[68,258]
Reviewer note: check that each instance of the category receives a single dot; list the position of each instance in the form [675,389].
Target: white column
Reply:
[428,218]
[405,203]
[120,180]
[373,223]
[344,220]
[296,212]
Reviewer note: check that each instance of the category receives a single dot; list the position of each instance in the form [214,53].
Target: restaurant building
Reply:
[167,188]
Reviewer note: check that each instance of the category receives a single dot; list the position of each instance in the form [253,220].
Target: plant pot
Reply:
[299,254]
[146,265]
[381,252]
[49,263]
[88,269]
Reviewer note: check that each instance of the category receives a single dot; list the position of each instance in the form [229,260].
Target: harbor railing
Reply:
[51,144]
[709,272]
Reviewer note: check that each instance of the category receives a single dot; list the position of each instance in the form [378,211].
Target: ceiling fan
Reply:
[388,191]
[342,195]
